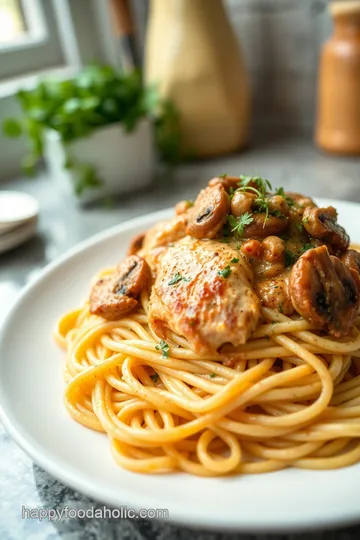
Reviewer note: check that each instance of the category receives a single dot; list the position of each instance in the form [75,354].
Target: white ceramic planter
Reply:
[124,161]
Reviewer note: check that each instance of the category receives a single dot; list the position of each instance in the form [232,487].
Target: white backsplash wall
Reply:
[281,40]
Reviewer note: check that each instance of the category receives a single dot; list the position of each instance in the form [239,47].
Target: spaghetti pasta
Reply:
[291,397]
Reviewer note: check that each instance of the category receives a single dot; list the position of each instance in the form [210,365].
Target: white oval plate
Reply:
[31,403]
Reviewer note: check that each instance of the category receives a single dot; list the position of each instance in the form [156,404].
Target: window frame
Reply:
[40,48]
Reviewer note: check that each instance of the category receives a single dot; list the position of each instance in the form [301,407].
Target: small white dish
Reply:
[32,410]
[16,236]
[16,208]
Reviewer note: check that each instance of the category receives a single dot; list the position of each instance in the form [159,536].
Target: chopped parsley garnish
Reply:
[305,220]
[299,227]
[222,175]
[225,273]
[290,258]
[178,277]
[280,310]
[164,348]
[280,191]
[212,375]
[306,247]
[231,192]
[175,279]
[235,260]
[154,377]
[238,224]
[190,203]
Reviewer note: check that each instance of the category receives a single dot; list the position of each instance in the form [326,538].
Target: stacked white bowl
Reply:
[18,218]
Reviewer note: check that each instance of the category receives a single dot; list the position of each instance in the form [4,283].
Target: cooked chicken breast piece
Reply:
[157,238]
[204,291]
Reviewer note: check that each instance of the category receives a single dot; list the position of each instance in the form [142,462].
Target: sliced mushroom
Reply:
[242,202]
[278,204]
[209,212]
[322,223]
[116,295]
[136,244]
[299,203]
[265,226]
[226,181]
[302,201]
[351,259]
[325,292]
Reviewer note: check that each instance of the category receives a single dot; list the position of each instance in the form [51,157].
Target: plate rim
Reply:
[44,460]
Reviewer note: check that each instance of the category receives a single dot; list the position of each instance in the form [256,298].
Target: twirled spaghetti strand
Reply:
[288,397]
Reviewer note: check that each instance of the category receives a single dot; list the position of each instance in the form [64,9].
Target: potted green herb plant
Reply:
[98,132]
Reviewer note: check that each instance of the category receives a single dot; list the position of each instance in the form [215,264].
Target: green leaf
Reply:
[69,162]
[86,178]
[290,258]
[168,133]
[178,277]
[28,165]
[109,106]
[225,273]
[151,99]
[306,247]
[72,106]
[238,224]
[12,128]
[34,132]
[164,348]
[90,103]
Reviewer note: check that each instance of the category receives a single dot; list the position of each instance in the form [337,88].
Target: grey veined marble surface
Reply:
[292,163]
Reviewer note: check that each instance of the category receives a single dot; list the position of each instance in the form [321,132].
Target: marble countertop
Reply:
[290,162]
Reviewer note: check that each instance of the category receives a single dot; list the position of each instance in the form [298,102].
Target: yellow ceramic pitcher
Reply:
[193,55]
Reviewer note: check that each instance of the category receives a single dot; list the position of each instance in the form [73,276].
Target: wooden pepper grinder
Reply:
[338,120]
[193,56]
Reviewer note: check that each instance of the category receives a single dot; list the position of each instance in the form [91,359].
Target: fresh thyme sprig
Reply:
[261,202]
[262,183]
